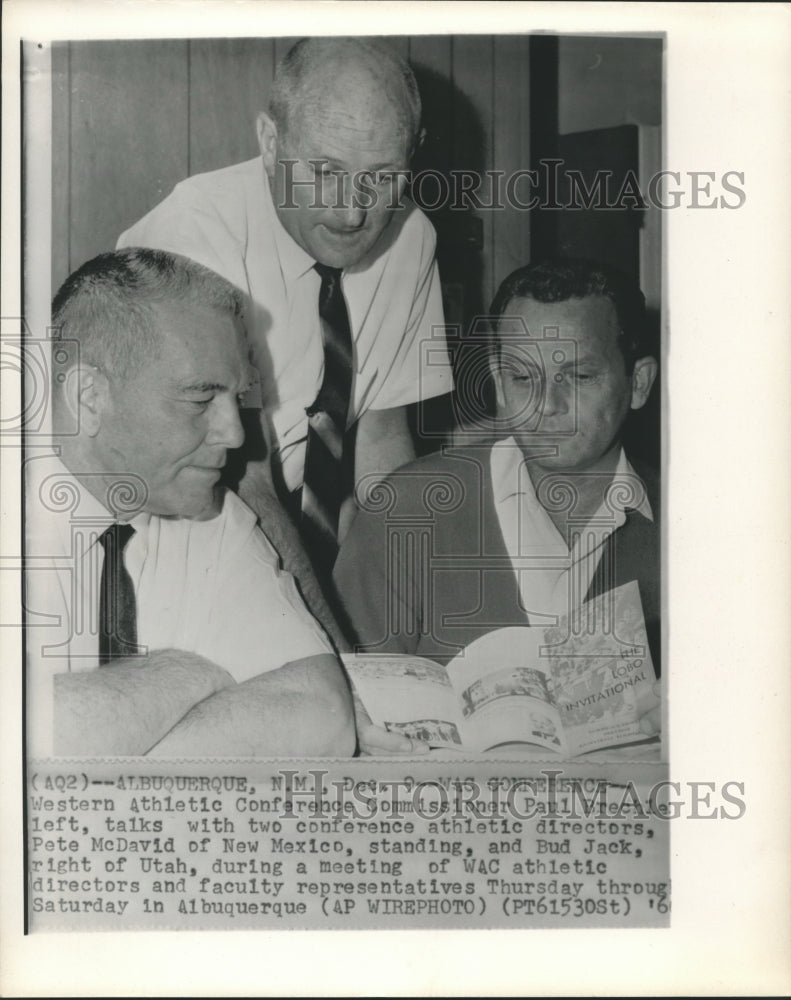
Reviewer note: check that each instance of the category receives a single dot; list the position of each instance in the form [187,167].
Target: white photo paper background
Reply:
[734,234]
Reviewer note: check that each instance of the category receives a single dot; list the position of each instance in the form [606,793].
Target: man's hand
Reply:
[651,711]
[376,742]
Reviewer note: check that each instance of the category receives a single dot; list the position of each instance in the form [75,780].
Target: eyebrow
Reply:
[386,166]
[575,363]
[203,387]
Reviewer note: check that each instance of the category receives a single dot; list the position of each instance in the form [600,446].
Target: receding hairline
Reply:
[315,67]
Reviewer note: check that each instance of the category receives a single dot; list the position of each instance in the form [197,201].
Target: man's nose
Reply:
[348,209]
[226,428]
[556,395]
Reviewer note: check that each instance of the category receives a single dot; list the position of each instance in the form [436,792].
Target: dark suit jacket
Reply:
[424,569]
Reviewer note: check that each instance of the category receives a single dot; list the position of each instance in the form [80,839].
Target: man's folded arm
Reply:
[124,709]
[301,709]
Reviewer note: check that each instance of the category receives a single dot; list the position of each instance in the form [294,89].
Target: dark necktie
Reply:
[323,481]
[117,606]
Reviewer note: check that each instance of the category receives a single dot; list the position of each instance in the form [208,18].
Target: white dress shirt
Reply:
[552,578]
[226,220]
[207,587]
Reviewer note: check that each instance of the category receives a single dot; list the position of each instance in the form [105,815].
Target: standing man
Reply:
[159,621]
[340,275]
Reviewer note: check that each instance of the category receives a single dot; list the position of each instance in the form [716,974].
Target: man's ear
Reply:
[267,140]
[643,378]
[85,392]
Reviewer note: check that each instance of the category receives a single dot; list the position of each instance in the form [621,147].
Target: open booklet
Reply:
[577,686]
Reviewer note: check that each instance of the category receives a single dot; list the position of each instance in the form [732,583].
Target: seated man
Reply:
[455,545]
[154,601]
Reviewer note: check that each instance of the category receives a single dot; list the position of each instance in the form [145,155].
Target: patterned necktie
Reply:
[117,606]
[323,485]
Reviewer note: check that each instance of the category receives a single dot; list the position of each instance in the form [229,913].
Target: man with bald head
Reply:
[342,286]
[352,107]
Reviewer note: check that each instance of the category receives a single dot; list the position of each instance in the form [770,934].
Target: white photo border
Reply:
[727,83]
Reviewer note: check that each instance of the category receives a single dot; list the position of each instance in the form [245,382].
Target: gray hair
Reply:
[293,86]
[108,305]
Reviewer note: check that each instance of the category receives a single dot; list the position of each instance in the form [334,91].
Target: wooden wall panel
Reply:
[473,60]
[433,53]
[282,45]
[400,43]
[229,83]
[431,57]
[129,138]
[511,142]
[431,60]
[133,118]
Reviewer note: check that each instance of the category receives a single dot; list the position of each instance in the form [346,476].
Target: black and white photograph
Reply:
[345,395]
[481,327]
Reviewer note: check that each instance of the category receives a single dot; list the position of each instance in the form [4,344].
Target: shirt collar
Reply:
[506,465]
[625,499]
[509,477]
[88,508]
[294,261]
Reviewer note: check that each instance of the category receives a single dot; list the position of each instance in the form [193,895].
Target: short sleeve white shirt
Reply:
[554,579]
[209,587]
[226,220]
